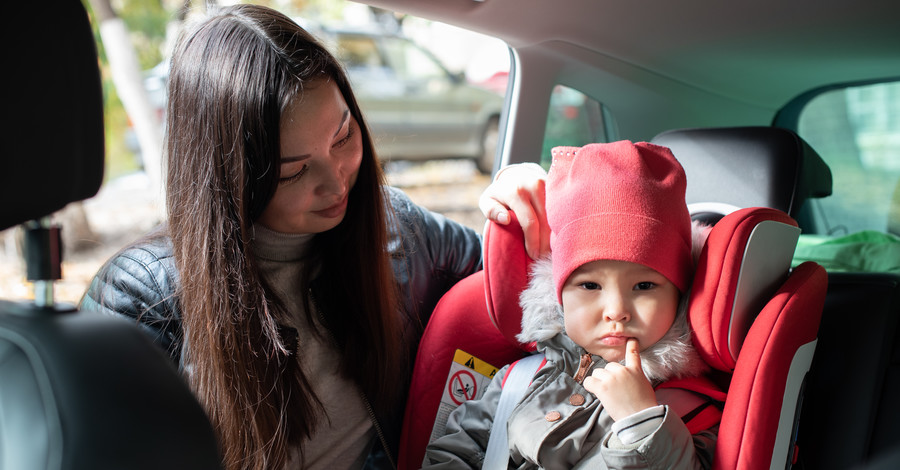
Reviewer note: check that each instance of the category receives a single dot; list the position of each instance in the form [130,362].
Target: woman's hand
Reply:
[623,390]
[520,189]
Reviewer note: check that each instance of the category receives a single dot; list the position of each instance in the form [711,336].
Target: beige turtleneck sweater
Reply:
[343,439]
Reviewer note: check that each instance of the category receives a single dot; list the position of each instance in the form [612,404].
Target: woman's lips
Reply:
[336,210]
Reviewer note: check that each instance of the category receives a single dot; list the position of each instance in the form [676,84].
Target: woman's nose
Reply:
[334,180]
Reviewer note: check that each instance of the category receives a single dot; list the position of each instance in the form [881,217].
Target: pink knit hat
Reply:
[618,201]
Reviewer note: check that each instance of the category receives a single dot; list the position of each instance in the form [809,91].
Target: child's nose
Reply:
[617,315]
[615,308]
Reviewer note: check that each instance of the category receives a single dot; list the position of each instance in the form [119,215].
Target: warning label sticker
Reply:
[468,378]
[462,387]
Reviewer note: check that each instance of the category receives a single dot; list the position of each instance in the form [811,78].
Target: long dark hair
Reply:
[231,77]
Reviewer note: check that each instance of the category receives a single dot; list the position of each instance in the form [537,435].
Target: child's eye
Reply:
[589,285]
[296,176]
[646,285]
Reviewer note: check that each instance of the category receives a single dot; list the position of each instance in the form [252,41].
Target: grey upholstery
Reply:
[86,391]
[851,415]
[741,167]
[77,390]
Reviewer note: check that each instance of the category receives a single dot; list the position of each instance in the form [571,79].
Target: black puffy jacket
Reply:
[429,252]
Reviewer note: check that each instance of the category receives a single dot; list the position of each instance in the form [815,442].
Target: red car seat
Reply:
[743,271]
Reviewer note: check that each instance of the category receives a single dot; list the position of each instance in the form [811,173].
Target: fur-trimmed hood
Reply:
[671,357]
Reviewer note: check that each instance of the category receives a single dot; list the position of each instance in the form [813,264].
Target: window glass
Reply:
[575,119]
[856,130]
[410,62]
[367,67]
[432,95]
[359,52]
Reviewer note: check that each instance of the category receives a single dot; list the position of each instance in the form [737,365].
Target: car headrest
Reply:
[54,105]
[506,268]
[746,257]
[729,168]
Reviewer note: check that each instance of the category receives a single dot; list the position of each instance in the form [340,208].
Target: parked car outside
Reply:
[415,107]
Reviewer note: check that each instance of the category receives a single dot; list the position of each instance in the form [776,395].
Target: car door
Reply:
[441,117]
[415,108]
[379,90]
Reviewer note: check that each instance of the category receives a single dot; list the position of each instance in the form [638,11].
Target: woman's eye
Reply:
[296,176]
[345,139]
[590,285]
[646,285]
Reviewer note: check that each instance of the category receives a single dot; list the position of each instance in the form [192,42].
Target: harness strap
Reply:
[709,399]
[517,378]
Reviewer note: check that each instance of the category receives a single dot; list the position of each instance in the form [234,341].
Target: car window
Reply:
[359,52]
[432,95]
[575,119]
[367,67]
[856,130]
[412,63]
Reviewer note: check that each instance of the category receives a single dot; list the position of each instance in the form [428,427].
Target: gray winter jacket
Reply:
[581,435]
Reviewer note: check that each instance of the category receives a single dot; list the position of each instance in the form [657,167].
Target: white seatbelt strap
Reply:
[518,377]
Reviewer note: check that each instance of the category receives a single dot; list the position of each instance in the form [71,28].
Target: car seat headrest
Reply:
[729,168]
[54,153]
[506,268]
[746,257]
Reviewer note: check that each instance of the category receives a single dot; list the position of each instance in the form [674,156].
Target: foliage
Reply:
[146,20]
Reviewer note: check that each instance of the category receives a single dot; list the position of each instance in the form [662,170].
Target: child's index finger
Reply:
[632,353]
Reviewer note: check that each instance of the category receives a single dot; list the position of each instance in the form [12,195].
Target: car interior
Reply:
[752,323]
[703,77]
[796,301]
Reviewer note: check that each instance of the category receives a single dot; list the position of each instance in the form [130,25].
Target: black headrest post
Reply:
[47,168]
[43,258]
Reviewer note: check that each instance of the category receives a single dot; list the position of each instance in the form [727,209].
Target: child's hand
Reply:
[623,390]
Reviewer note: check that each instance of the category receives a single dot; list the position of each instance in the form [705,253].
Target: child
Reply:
[609,313]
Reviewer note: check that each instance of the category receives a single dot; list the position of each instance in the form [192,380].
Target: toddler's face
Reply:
[606,302]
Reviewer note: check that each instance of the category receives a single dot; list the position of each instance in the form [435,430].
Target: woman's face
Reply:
[321,150]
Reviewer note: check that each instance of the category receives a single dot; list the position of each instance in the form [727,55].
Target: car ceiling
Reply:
[761,53]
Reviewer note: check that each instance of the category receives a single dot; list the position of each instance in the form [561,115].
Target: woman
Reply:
[290,284]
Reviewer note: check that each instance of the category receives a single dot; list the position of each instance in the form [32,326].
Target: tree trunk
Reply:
[128,80]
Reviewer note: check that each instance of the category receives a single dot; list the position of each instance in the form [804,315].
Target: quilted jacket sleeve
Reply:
[430,253]
[671,446]
[139,283]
